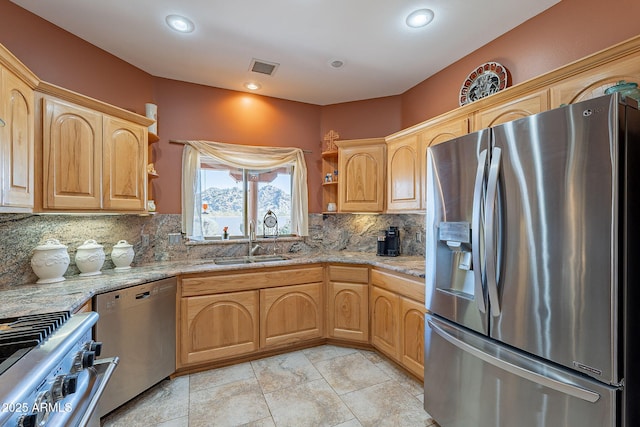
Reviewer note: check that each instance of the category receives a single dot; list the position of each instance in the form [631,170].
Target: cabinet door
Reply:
[593,82]
[403,174]
[17,112]
[125,159]
[434,135]
[72,156]
[218,326]
[290,314]
[361,184]
[522,107]
[412,336]
[348,311]
[385,328]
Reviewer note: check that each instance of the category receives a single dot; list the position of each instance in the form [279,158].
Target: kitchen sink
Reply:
[249,259]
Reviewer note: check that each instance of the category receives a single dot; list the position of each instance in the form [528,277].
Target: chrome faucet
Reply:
[252,238]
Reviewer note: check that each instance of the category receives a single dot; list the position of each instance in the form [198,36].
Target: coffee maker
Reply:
[389,242]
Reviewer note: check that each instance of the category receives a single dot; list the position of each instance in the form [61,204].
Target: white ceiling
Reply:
[382,56]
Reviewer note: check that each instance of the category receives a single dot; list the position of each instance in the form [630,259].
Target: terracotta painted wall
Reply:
[63,59]
[370,118]
[185,110]
[566,32]
[190,111]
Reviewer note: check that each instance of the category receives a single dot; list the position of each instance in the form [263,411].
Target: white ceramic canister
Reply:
[50,261]
[122,255]
[89,258]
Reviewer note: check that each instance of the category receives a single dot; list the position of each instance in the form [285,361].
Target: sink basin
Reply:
[249,259]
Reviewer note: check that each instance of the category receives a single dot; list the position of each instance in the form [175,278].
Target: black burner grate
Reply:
[19,334]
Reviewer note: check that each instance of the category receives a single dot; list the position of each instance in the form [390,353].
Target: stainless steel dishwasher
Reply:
[137,324]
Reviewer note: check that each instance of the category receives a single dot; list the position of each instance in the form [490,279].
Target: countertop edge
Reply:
[75,291]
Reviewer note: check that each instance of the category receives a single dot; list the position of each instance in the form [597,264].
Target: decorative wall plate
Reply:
[485,80]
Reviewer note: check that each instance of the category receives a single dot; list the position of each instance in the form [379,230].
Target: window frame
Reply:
[206,162]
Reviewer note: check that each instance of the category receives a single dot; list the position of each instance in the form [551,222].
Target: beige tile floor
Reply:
[321,386]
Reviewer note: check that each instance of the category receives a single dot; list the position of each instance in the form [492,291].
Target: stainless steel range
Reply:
[49,375]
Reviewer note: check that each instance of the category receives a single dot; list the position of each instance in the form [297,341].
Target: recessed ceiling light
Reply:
[336,63]
[419,18]
[180,23]
[252,85]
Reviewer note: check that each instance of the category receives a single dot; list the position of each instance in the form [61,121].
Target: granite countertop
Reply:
[75,291]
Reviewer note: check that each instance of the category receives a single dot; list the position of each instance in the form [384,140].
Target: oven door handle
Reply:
[103,368]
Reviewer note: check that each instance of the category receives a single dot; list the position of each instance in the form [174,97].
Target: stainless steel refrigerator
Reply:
[532,258]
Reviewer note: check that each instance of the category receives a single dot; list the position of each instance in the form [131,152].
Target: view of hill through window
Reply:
[223,202]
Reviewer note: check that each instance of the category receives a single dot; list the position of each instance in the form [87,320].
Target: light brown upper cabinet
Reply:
[16,143]
[437,134]
[594,81]
[361,166]
[403,174]
[524,106]
[72,156]
[406,161]
[90,160]
[124,162]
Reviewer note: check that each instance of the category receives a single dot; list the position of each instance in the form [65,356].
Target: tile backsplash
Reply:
[21,233]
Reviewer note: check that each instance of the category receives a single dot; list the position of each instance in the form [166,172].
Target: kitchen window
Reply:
[231,197]
[229,185]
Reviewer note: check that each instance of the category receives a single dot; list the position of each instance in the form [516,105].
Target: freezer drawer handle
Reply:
[475,233]
[569,389]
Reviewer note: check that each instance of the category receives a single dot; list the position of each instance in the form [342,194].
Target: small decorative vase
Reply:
[50,261]
[90,258]
[629,89]
[122,255]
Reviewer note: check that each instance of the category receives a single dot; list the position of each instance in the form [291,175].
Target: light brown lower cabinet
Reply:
[291,314]
[230,314]
[412,336]
[348,302]
[348,311]
[385,325]
[218,326]
[397,321]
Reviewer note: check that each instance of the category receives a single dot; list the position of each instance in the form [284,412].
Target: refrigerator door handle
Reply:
[513,368]
[490,211]
[475,232]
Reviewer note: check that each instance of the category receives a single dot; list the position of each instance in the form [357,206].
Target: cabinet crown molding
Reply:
[13,64]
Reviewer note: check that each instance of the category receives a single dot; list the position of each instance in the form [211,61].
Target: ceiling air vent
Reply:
[263,67]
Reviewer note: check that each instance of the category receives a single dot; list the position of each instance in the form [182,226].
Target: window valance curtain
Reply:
[246,157]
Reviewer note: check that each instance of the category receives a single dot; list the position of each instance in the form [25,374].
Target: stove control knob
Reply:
[27,420]
[88,358]
[96,347]
[63,386]
[83,360]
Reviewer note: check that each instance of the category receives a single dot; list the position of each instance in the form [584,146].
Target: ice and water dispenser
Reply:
[454,251]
